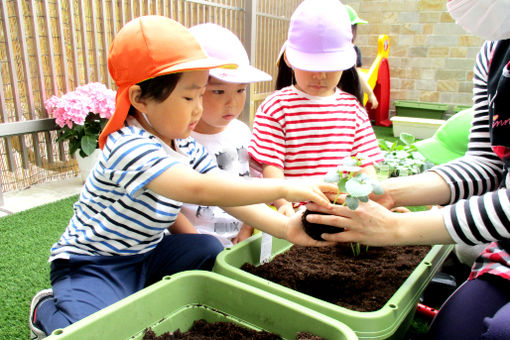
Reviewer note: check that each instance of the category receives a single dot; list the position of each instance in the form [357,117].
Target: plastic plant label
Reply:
[266,248]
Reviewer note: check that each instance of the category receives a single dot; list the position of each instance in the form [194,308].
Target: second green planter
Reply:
[389,322]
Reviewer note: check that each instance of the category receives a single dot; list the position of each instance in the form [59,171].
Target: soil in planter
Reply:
[363,283]
[202,329]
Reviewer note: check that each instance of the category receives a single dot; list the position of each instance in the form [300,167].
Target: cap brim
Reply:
[359,21]
[241,75]
[321,62]
[196,65]
[435,151]
[280,54]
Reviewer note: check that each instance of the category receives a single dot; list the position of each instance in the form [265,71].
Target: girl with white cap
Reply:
[306,128]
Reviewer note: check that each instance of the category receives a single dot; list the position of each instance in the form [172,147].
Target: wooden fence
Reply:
[49,47]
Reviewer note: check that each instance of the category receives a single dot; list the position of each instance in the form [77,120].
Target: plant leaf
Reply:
[341,184]
[377,188]
[348,161]
[88,144]
[407,138]
[332,176]
[351,202]
[357,188]
[363,198]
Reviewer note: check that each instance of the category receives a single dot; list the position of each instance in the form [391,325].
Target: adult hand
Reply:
[370,224]
[295,233]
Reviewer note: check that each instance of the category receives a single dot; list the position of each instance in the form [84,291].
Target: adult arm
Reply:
[423,189]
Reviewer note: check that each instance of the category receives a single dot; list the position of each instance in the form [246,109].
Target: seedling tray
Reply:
[178,300]
[389,322]
[420,109]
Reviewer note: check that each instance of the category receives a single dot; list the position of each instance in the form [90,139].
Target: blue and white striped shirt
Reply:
[116,214]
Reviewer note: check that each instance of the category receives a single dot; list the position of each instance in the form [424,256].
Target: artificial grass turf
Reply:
[25,241]
[383,132]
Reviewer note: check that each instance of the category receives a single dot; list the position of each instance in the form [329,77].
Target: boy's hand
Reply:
[245,232]
[303,191]
[295,233]
[287,209]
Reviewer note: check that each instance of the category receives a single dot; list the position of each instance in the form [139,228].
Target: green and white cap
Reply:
[353,16]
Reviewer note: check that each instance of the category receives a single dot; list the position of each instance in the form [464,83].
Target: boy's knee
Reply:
[210,247]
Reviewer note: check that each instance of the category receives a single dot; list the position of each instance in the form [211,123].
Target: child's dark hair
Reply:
[158,88]
[349,82]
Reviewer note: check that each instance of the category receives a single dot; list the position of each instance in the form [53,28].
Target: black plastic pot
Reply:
[315,230]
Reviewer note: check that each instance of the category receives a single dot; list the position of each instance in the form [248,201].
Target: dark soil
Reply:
[315,230]
[363,283]
[201,329]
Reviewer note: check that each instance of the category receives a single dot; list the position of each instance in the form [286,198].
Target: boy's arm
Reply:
[184,184]
[282,205]
[182,226]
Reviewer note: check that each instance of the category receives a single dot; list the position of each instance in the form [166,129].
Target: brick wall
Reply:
[431,58]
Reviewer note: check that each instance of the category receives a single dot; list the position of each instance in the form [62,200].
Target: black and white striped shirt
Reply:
[480,210]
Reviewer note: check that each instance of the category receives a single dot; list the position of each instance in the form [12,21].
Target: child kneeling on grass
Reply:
[115,243]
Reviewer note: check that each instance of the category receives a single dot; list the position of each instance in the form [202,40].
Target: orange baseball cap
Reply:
[148,47]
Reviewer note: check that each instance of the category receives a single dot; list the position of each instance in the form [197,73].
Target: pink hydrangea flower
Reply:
[72,110]
[74,106]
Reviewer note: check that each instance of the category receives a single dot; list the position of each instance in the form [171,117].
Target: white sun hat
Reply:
[220,43]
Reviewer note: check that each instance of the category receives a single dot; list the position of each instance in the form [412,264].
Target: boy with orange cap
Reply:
[115,242]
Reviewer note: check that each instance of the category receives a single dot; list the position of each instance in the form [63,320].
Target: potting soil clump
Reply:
[202,329]
[334,274]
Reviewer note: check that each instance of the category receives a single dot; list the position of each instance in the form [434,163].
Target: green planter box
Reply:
[408,108]
[390,322]
[178,300]
[458,108]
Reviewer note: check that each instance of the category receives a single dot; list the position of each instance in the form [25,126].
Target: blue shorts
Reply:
[83,285]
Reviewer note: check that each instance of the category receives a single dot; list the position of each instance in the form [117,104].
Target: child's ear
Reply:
[135,97]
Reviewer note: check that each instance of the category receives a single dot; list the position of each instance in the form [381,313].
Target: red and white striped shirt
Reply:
[307,135]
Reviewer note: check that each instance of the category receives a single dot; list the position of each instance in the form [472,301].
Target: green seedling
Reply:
[357,186]
[402,157]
